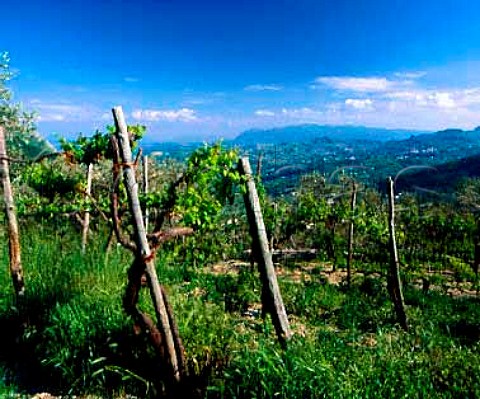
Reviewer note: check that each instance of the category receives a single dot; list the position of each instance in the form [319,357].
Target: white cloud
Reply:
[130,79]
[51,117]
[153,115]
[410,75]
[428,98]
[64,108]
[106,116]
[196,101]
[269,87]
[61,112]
[406,95]
[409,106]
[441,99]
[402,92]
[305,112]
[264,112]
[421,108]
[469,97]
[371,84]
[360,104]
[335,113]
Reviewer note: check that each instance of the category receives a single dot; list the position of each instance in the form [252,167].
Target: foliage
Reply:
[203,195]
[58,183]
[210,179]
[53,179]
[87,150]
[92,149]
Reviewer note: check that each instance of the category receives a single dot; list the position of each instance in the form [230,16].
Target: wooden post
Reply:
[275,211]
[16,270]
[353,201]
[259,165]
[145,185]
[144,254]
[330,224]
[271,298]
[394,281]
[86,218]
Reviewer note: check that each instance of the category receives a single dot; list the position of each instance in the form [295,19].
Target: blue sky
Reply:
[203,69]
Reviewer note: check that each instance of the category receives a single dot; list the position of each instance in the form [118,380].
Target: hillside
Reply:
[444,178]
[371,161]
[443,146]
[368,154]
[307,132]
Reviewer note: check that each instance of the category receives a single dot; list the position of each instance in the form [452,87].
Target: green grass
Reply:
[347,344]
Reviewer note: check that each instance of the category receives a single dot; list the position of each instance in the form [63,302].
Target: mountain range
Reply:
[307,132]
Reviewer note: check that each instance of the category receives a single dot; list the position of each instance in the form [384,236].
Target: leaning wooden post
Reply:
[86,218]
[144,254]
[394,281]
[145,185]
[16,270]
[353,201]
[272,299]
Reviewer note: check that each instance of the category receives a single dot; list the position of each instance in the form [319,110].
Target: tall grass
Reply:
[71,335]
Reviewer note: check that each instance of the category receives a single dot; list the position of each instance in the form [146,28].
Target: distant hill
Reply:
[442,178]
[308,132]
[451,135]
[435,148]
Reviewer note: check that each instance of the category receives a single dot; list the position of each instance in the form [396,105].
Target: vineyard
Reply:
[143,277]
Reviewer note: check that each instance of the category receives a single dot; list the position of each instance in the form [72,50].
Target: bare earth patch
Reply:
[228,267]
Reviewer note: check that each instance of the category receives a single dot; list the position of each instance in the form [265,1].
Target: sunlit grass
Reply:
[71,336]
